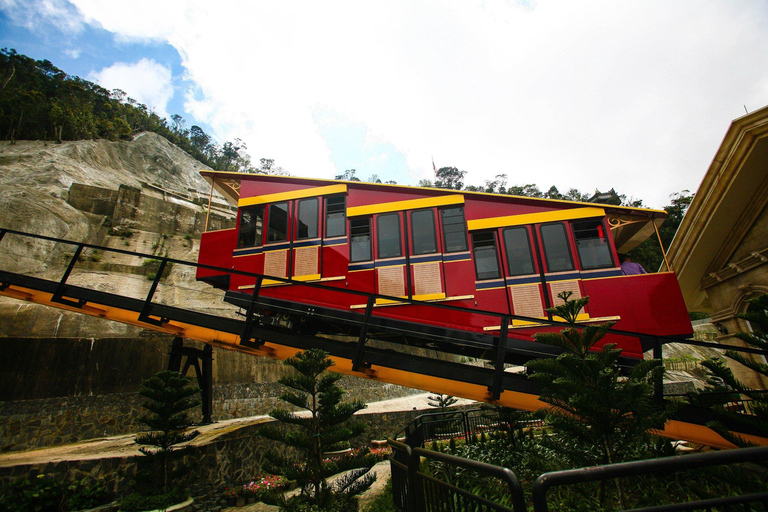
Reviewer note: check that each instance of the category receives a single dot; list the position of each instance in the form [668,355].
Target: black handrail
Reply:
[642,467]
[417,491]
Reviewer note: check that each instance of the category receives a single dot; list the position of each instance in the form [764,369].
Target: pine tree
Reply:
[599,416]
[328,427]
[161,475]
[441,401]
[758,419]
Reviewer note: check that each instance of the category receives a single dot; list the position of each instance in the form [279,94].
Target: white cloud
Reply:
[145,81]
[35,15]
[599,94]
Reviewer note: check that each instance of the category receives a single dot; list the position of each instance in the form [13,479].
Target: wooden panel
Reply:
[427,279]
[526,301]
[275,263]
[392,281]
[306,261]
[563,286]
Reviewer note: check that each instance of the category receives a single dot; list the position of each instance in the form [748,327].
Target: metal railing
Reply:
[751,501]
[428,481]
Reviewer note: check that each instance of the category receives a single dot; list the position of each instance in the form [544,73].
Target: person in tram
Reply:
[629,267]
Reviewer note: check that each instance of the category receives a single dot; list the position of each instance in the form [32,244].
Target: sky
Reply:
[634,95]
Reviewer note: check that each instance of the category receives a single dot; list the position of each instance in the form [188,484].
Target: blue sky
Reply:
[634,95]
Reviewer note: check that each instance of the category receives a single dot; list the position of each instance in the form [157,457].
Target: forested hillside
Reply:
[38,101]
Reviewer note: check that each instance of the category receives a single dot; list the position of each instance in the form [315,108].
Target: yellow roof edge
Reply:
[234,175]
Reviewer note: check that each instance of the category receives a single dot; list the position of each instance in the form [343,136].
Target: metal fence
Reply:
[429,481]
[754,501]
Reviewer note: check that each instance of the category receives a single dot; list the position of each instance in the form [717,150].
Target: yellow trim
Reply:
[384,302]
[582,318]
[409,204]
[293,194]
[456,261]
[535,218]
[400,303]
[308,277]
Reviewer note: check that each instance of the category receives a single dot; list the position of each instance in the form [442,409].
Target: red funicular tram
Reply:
[483,252]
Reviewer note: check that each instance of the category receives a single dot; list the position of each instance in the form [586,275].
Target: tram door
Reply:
[557,264]
[390,263]
[425,257]
[490,284]
[292,243]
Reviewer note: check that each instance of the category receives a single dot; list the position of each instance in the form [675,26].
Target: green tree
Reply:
[160,479]
[649,254]
[599,416]
[441,401]
[328,426]
[450,177]
[757,419]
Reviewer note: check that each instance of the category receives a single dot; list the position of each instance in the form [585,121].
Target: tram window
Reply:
[388,236]
[423,231]
[308,218]
[518,249]
[486,260]
[278,223]
[556,248]
[251,224]
[454,229]
[335,216]
[592,244]
[360,239]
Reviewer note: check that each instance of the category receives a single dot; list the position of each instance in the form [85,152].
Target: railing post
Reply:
[498,375]
[147,309]
[658,385]
[246,337]
[58,295]
[358,359]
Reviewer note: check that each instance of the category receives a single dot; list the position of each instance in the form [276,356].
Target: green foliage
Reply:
[384,502]
[599,416]
[649,254]
[43,493]
[42,102]
[450,177]
[328,427]
[722,379]
[441,401]
[162,470]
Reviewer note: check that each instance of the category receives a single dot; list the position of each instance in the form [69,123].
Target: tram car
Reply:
[398,253]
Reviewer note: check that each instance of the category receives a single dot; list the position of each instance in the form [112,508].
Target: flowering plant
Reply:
[264,485]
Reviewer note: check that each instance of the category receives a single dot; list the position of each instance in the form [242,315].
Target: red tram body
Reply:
[483,252]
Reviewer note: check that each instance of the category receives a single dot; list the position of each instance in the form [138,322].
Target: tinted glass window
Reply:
[486,260]
[423,231]
[454,229]
[335,216]
[251,225]
[592,244]
[360,239]
[278,223]
[308,219]
[388,235]
[518,248]
[556,248]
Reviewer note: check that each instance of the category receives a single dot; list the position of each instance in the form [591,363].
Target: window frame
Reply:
[353,244]
[299,218]
[611,260]
[524,229]
[286,229]
[567,246]
[494,244]
[380,240]
[414,224]
[464,230]
[256,242]
[343,213]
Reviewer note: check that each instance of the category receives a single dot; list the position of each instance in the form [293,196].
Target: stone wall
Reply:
[29,424]
[230,459]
